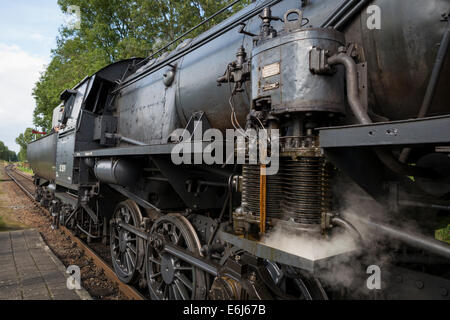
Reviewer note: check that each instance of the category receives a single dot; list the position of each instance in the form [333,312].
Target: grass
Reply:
[22,166]
[443,234]
[7,220]
[23,169]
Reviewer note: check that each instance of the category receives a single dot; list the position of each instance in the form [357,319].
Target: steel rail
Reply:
[125,289]
[24,175]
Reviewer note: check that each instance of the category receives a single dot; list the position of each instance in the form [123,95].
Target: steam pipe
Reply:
[348,226]
[352,86]
[363,118]
[413,239]
[338,13]
[124,139]
[351,14]
[432,85]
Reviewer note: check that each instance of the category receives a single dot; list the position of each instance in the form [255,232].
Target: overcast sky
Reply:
[28,30]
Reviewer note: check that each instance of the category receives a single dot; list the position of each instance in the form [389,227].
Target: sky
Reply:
[28,31]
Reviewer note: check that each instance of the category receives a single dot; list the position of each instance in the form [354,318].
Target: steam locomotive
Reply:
[352,94]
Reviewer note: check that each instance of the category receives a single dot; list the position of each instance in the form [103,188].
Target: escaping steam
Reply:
[346,267]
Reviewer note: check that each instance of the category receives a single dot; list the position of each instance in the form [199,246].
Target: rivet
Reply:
[419,284]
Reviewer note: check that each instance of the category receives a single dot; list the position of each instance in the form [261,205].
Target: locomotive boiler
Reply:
[352,96]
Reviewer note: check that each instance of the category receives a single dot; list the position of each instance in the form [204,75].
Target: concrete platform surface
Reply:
[30,271]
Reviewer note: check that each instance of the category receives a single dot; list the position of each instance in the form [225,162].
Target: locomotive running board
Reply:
[264,251]
[424,131]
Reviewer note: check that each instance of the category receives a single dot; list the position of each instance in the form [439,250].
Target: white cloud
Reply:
[37,37]
[19,72]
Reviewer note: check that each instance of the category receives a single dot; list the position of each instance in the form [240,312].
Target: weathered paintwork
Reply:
[400,58]
[41,155]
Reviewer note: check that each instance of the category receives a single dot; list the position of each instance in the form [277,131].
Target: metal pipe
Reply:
[70,215]
[338,13]
[87,233]
[363,118]
[432,84]
[403,169]
[352,86]
[124,139]
[413,239]
[351,14]
[131,141]
[418,204]
[348,226]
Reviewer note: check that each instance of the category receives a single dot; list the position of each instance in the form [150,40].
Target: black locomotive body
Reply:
[347,100]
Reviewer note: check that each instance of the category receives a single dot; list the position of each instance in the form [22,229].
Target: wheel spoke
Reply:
[181,289]
[160,285]
[176,292]
[133,249]
[166,290]
[128,262]
[185,280]
[130,258]
[178,237]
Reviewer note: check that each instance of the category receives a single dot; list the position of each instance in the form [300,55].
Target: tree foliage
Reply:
[112,30]
[6,154]
[23,140]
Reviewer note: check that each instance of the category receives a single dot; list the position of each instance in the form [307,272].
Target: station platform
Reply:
[30,271]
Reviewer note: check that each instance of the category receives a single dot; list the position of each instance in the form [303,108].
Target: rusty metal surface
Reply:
[294,88]
[401,56]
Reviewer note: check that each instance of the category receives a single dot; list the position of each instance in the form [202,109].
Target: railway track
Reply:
[25,183]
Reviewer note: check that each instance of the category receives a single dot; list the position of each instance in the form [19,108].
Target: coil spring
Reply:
[306,189]
[250,192]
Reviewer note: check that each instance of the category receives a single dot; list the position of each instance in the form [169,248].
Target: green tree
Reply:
[6,154]
[23,140]
[112,30]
